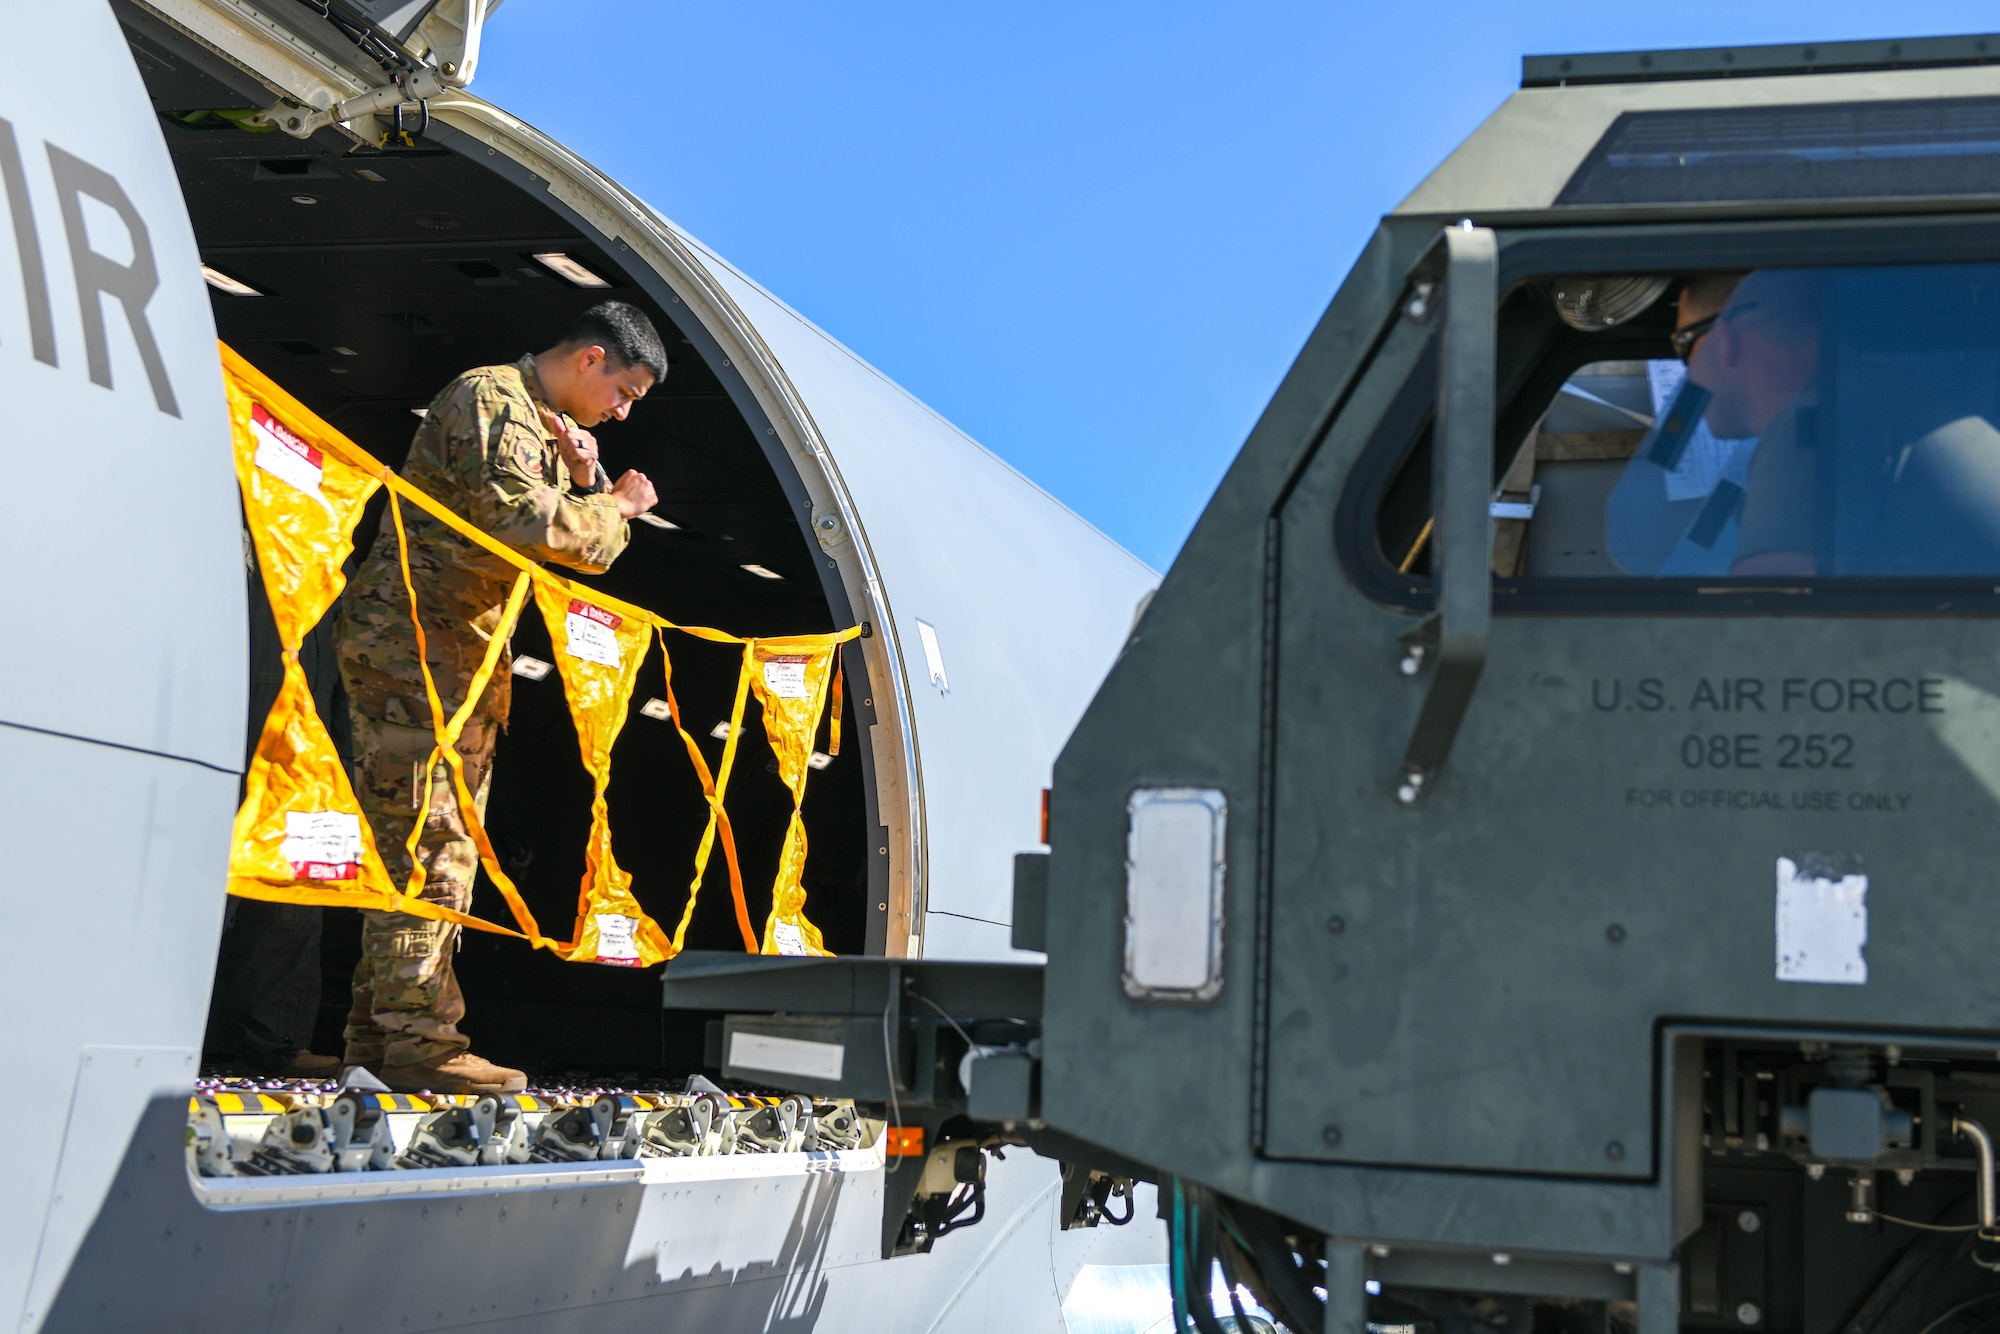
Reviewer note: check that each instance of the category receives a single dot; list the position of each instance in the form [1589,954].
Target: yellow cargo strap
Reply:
[297,787]
[718,819]
[789,678]
[599,651]
[447,732]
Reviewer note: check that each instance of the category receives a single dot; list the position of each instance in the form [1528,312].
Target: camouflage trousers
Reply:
[407,1005]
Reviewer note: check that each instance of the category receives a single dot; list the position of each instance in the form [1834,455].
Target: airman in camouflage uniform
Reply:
[498,448]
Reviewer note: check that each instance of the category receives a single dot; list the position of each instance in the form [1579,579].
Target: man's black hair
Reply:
[625,334]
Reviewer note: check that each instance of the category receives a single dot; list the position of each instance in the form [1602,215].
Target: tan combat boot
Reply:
[463,1073]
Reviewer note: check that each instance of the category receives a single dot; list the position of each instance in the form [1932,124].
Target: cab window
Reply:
[1797,424]
[1826,422]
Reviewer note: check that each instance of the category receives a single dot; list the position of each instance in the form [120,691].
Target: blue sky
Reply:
[1092,234]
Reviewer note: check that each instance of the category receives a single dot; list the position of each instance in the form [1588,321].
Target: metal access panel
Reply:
[1175,874]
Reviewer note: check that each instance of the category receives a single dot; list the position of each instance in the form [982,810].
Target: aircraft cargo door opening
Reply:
[362,280]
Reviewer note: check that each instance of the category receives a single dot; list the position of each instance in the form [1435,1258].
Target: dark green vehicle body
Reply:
[1520,1029]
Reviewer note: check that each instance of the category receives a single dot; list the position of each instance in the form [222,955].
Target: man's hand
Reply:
[635,494]
[577,447]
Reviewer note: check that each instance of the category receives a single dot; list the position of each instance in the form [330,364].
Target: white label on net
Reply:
[788,938]
[591,633]
[1822,926]
[284,455]
[617,936]
[786,1056]
[785,675]
[656,708]
[322,845]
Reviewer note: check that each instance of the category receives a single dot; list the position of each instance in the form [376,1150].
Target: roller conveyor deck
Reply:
[267,1128]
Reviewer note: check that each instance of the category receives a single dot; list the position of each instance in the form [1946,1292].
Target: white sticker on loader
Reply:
[786,1056]
[1822,919]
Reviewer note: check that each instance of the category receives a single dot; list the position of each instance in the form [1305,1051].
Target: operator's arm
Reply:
[515,500]
[1778,530]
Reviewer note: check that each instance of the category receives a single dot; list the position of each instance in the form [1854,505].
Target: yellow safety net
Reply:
[789,678]
[300,836]
[598,650]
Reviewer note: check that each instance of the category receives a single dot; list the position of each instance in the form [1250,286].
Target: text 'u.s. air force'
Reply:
[97,275]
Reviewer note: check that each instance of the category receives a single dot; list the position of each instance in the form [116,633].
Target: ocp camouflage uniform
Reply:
[484,452]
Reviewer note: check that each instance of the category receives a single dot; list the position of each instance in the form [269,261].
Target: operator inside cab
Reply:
[508,448]
[1827,421]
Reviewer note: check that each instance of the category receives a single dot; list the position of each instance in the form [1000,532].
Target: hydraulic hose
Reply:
[1177,1255]
[1201,1270]
[1229,1256]
[1287,1289]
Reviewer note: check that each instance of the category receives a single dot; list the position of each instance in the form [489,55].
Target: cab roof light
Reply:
[222,282]
[762,572]
[555,261]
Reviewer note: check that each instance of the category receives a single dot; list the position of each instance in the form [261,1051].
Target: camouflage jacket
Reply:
[483,452]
